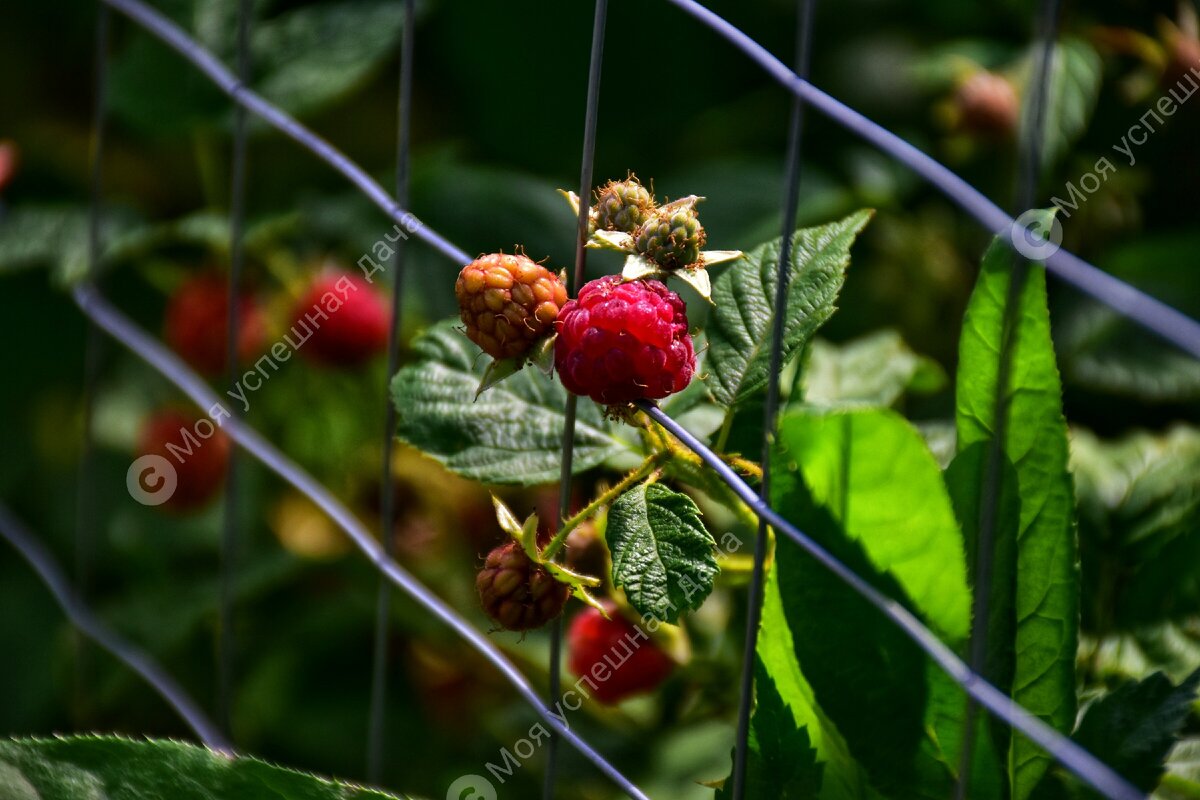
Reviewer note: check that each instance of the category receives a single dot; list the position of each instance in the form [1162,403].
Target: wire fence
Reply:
[1137,306]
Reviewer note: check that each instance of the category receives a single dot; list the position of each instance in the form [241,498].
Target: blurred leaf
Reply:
[106,766]
[662,554]
[1045,601]
[1074,80]
[55,237]
[1139,508]
[309,56]
[512,434]
[1100,350]
[154,90]
[874,370]
[739,331]
[872,469]
[781,763]
[1133,728]
[1182,781]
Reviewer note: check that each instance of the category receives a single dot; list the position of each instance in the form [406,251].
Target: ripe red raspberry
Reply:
[598,643]
[619,342]
[196,324]
[201,472]
[355,324]
[507,303]
[517,593]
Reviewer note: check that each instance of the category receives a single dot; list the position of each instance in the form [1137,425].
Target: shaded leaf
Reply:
[512,434]
[662,555]
[874,370]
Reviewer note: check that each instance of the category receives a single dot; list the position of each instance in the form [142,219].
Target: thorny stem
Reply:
[647,467]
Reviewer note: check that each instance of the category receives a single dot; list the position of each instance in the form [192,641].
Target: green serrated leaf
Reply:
[740,327]
[1043,570]
[662,554]
[782,762]
[866,676]
[1133,728]
[511,434]
[107,766]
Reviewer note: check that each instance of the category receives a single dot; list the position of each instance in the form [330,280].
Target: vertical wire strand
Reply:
[94,346]
[230,535]
[791,192]
[574,281]
[387,511]
[1028,174]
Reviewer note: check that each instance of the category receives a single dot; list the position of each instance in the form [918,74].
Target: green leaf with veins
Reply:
[1042,608]
[106,766]
[512,434]
[662,555]
[874,370]
[739,330]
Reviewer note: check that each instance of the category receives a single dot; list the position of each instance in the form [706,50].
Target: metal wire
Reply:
[574,281]
[226,656]
[1150,313]
[43,563]
[146,347]
[175,38]
[387,503]
[791,201]
[1074,758]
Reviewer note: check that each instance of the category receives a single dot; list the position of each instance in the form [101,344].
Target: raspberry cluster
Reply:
[507,303]
[622,205]
[672,237]
[619,342]
[593,640]
[517,593]
[196,323]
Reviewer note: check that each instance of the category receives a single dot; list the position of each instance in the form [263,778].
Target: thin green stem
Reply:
[726,427]
[647,467]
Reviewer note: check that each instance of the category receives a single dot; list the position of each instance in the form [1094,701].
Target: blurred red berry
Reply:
[348,318]
[619,342]
[600,644]
[201,472]
[197,323]
[9,160]
[988,105]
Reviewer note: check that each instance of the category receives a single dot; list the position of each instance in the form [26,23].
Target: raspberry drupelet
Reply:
[620,342]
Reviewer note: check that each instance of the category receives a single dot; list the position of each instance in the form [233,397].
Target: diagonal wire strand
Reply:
[575,280]
[1152,314]
[387,511]
[804,16]
[147,348]
[1074,758]
[226,657]
[175,38]
[77,611]
[1029,171]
